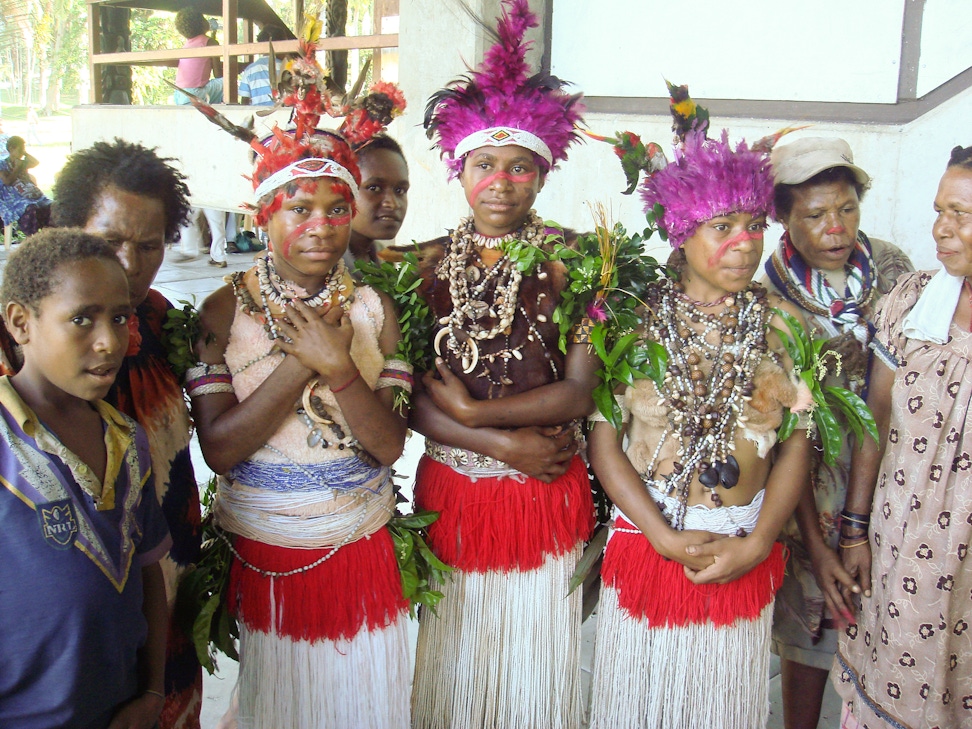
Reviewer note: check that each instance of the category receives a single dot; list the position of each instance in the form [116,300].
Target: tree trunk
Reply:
[54,79]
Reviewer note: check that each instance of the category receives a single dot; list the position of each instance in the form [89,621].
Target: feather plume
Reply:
[502,93]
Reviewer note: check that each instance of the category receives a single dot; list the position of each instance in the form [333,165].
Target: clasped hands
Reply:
[320,340]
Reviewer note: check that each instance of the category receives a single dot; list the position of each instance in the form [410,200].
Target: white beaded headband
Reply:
[501,137]
[306,168]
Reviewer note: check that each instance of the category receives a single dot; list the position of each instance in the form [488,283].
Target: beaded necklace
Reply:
[472,317]
[704,407]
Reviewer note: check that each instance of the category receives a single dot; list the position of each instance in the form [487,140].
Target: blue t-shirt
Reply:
[71,553]
[255,82]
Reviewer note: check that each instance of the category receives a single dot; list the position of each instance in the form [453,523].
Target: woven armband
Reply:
[208,379]
[397,373]
[598,417]
[580,333]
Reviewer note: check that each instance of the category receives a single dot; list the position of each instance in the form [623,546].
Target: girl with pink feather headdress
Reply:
[498,413]
[700,484]
[292,399]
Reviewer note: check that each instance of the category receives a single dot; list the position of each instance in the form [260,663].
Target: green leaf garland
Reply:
[831,405]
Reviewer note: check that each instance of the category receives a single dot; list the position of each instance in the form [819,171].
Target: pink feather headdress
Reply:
[707,178]
[501,100]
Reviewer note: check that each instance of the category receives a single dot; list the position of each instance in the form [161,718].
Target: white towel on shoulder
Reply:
[931,317]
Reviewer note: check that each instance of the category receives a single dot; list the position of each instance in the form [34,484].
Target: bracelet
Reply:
[855,544]
[346,385]
[150,692]
[850,516]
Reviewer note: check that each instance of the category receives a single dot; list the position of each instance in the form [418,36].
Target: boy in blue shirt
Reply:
[82,600]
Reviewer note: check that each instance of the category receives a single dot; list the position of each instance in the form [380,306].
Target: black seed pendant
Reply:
[729,472]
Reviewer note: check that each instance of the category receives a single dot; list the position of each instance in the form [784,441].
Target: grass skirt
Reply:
[673,655]
[504,650]
[325,648]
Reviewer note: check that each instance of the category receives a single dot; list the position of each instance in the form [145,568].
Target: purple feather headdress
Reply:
[707,179]
[500,104]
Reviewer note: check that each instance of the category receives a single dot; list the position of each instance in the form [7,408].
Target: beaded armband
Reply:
[208,379]
[598,417]
[580,333]
[396,373]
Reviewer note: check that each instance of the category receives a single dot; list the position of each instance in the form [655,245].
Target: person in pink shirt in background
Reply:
[194,74]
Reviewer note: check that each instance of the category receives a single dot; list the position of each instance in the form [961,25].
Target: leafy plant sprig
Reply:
[201,602]
[608,275]
[416,562]
[811,362]
[401,282]
[526,257]
[180,332]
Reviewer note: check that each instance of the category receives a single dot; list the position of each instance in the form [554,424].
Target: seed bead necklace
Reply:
[713,359]
[470,287]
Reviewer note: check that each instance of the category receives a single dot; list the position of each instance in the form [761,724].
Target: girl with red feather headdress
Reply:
[292,401]
[501,467]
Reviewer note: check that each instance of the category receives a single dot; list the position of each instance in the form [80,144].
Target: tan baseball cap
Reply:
[798,161]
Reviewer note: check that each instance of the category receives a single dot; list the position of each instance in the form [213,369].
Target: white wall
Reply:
[945,47]
[905,162]
[822,50]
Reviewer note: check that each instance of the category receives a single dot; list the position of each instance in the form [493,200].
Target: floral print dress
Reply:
[908,661]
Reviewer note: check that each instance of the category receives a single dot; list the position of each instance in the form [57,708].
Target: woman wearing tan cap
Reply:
[835,274]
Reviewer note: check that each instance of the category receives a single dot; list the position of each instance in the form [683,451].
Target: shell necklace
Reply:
[474,317]
[275,290]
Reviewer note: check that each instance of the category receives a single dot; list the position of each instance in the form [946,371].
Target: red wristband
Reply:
[347,384]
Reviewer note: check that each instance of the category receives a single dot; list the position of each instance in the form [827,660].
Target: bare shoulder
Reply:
[776,301]
[216,317]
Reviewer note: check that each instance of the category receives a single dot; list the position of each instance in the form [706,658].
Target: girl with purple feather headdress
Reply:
[701,486]
[499,411]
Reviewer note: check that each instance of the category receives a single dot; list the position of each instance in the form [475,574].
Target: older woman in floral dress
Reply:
[908,660]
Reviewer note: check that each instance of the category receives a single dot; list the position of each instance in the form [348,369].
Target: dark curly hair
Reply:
[380,141]
[960,157]
[190,23]
[783,194]
[127,166]
[31,273]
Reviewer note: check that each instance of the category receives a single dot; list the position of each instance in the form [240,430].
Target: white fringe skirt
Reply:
[361,683]
[503,653]
[699,675]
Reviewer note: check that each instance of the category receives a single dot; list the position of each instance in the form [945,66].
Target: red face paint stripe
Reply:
[315,222]
[501,175]
[735,240]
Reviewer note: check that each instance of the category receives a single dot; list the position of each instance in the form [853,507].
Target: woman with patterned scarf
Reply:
[835,275]
[500,466]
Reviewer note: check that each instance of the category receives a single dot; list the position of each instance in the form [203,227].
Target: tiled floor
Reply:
[193,281]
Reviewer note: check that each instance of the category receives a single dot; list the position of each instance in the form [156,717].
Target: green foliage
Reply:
[181,330]
[608,275]
[524,256]
[401,282]
[416,562]
[201,606]
[829,402]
